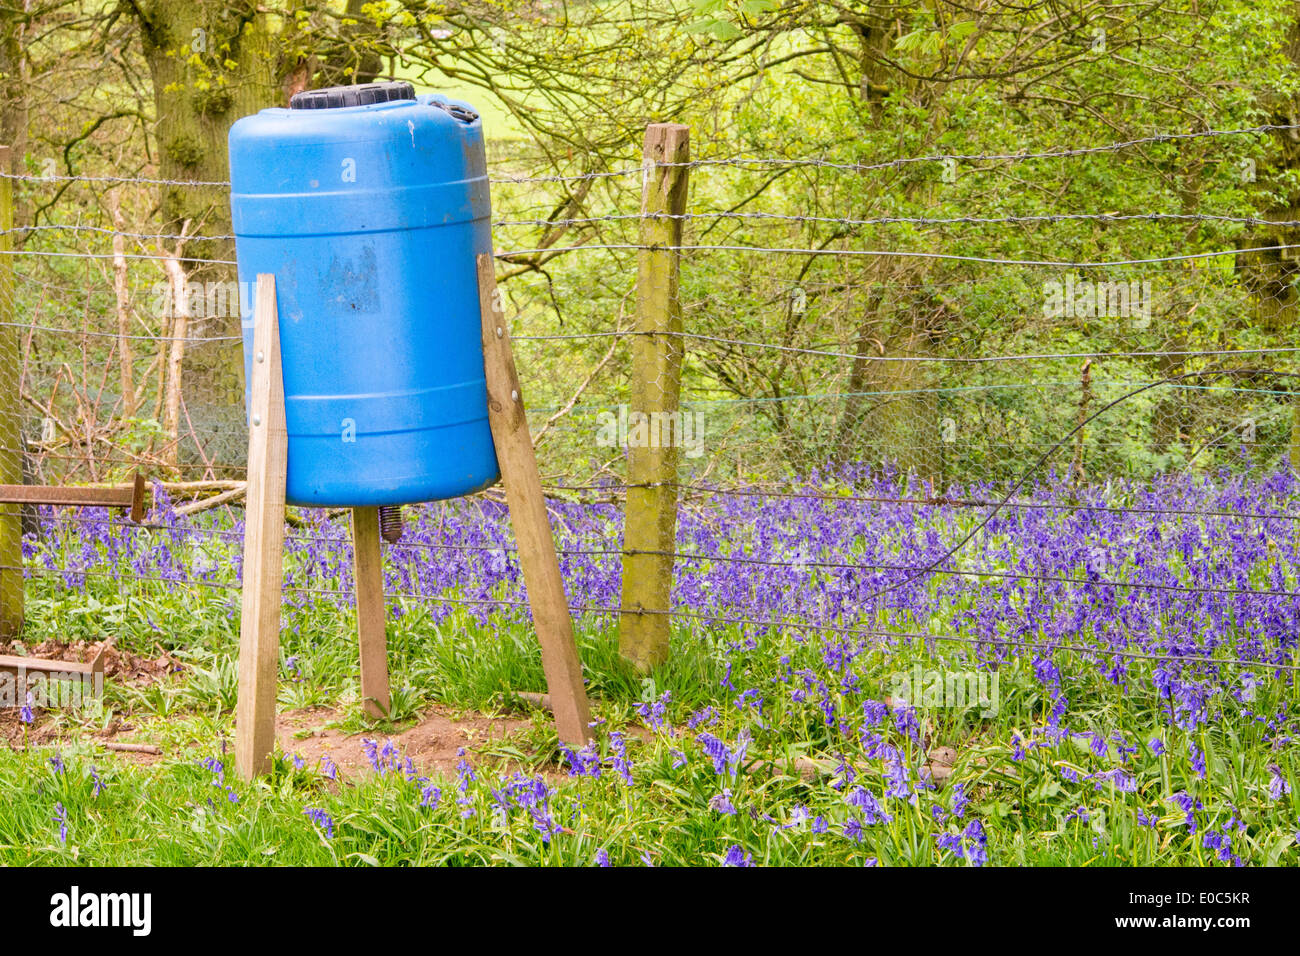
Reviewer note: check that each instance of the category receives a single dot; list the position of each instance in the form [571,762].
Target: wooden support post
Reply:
[259,630]
[367,564]
[650,522]
[11,439]
[537,557]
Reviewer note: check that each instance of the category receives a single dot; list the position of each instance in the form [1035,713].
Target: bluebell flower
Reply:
[371,749]
[582,763]
[654,712]
[721,802]
[702,718]
[1017,750]
[322,819]
[898,777]
[737,857]
[726,679]
[872,811]
[1123,782]
[619,760]
[1278,786]
[959,800]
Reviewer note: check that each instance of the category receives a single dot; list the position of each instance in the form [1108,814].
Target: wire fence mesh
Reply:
[896,427]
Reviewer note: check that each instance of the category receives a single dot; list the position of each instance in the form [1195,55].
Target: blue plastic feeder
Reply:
[370,205]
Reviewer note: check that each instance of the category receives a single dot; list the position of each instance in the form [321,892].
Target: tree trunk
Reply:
[211,63]
[13,87]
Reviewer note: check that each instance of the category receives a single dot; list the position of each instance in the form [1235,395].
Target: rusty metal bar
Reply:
[106,496]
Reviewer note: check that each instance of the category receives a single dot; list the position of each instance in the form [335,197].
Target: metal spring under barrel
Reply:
[390,523]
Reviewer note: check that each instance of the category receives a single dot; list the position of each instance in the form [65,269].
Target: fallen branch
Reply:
[532,698]
[194,507]
[133,748]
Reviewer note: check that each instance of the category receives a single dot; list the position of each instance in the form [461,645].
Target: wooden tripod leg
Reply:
[541,566]
[259,626]
[368,567]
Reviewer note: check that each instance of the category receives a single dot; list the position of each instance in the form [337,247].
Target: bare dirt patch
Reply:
[433,744]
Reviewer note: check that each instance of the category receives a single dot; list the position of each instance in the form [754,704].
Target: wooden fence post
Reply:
[537,558]
[11,439]
[650,523]
[259,625]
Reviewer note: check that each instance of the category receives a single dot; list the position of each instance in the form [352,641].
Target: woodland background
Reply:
[811,123]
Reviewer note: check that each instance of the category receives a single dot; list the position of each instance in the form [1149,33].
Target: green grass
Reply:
[176,812]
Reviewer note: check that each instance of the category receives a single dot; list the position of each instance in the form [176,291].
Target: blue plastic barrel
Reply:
[369,205]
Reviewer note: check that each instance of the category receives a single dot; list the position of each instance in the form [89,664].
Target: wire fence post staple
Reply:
[650,522]
[11,439]
[259,625]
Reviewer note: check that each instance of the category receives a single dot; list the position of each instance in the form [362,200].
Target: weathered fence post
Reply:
[11,439]
[654,419]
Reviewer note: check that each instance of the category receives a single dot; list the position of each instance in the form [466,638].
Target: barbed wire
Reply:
[551,251]
[859,357]
[147,256]
[104,231]
[135,337]
[1104,217]
[773,346]
[750,163]
[739,216]
[747,162]
[112,180]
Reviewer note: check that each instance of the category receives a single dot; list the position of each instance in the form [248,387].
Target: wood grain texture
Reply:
[367,562]
[259,626]
[537,558]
